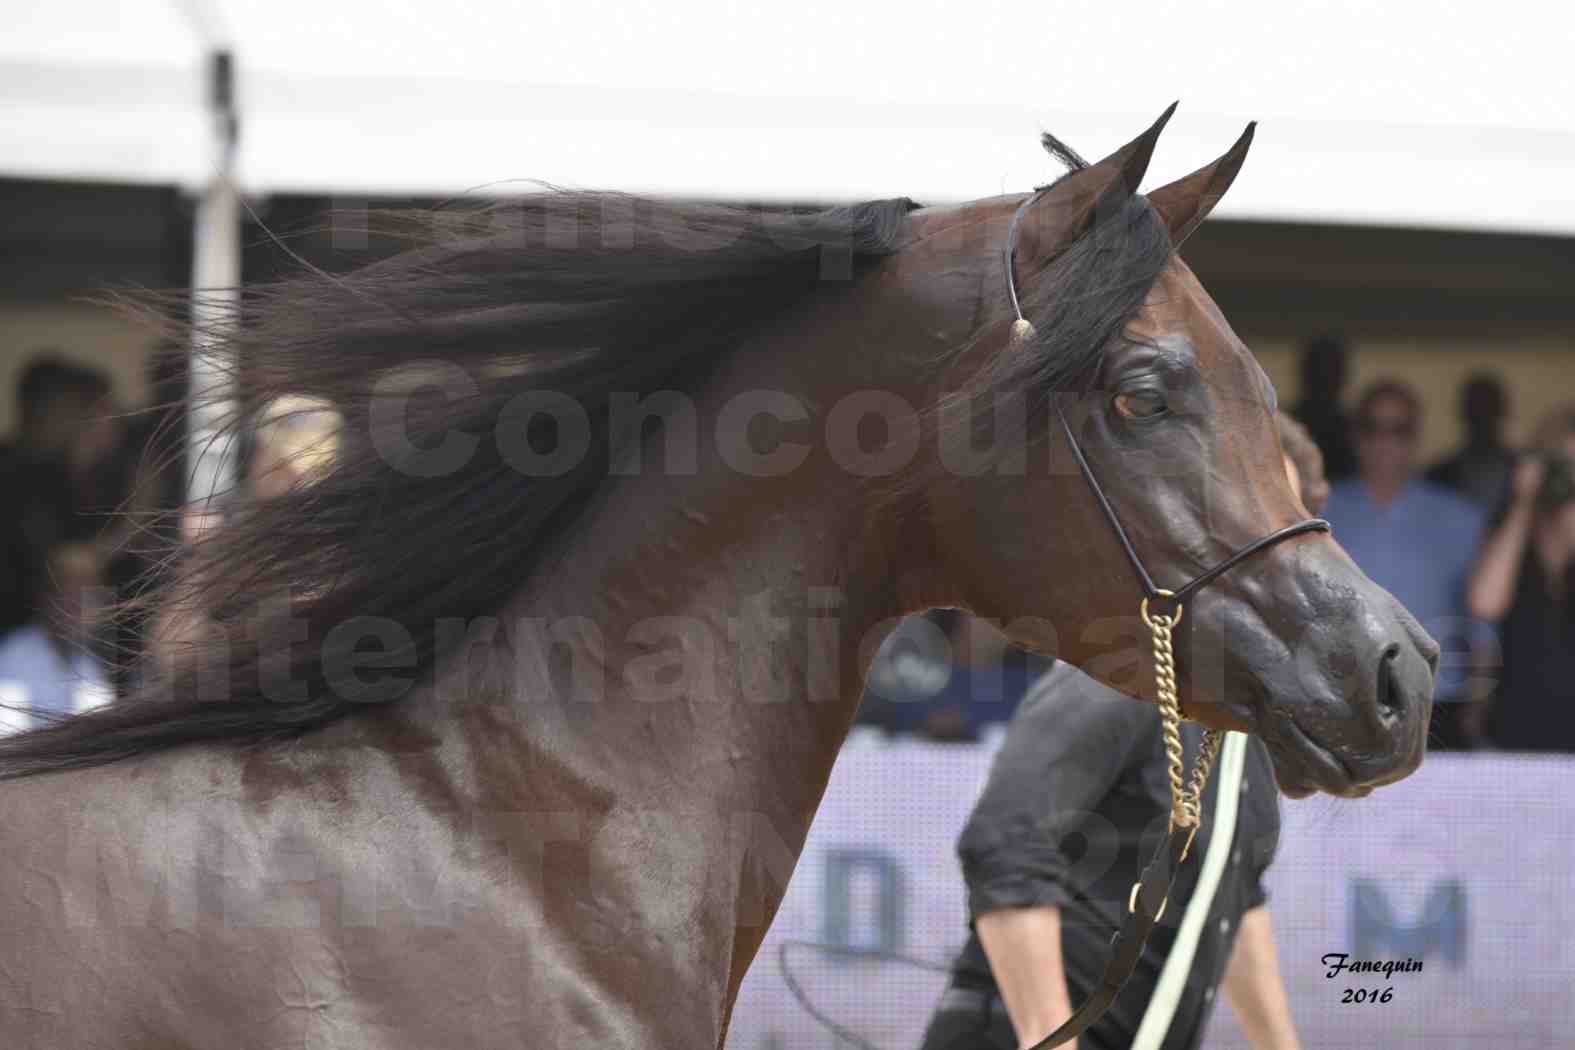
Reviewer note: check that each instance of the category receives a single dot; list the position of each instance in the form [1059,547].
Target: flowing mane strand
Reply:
[1080,304]
[576,295]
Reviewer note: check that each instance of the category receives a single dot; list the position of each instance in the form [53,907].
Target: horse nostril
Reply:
[1426,647]
[1430,654]
[1390,697]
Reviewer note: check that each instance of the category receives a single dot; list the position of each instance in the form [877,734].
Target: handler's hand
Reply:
[1528,479]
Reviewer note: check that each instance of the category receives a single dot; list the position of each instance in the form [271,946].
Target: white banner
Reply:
[1467,866]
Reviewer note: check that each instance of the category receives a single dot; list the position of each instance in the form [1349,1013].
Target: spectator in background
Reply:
[1323,368]
[54,399]
[294,443]
[945,675]
[1480,469]
[1417,540]
[911,668]
[989,677]
[1523,583]
[46,665]
[153,455]
[42,474]
[70,430]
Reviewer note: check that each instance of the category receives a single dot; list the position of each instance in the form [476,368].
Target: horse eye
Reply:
[1140,404]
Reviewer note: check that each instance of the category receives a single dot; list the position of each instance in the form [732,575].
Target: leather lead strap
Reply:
[1126,947]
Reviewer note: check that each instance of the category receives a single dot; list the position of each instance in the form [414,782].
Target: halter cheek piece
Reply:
[1152,890]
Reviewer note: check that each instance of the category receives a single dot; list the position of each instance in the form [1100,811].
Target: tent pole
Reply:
[215,281]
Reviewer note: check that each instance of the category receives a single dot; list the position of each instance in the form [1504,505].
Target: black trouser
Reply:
[970,1019]
[1447,732]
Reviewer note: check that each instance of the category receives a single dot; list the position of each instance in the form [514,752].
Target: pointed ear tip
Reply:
[1150,134]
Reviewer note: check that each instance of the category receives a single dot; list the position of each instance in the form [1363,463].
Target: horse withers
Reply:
[506,728]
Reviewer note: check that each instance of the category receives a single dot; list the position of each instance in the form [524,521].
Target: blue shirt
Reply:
[36,676]
[1420,548]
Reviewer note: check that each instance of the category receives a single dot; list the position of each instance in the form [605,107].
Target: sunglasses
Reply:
[1375,428]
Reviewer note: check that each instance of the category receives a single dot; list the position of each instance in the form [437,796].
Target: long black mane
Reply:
[580,294]
[406,533]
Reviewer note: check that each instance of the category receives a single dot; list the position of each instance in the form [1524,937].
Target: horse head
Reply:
[1176,420]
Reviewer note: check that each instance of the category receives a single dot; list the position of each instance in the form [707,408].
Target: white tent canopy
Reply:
[1406,114]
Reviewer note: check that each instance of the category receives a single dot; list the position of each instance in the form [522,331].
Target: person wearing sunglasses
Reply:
[1418,541]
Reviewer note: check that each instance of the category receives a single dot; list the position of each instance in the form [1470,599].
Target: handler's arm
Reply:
[1067,745]
[1024,948]
[1254,988]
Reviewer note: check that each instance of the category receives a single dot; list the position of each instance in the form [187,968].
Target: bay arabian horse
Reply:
[507,727]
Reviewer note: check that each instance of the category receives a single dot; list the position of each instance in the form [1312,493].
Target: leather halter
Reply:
[1152,891]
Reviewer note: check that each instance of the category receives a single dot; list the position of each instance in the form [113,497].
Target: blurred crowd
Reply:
[69,469]
[1479,546]
[92,512]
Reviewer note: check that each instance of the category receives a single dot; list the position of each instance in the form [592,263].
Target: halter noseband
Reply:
[1151,892]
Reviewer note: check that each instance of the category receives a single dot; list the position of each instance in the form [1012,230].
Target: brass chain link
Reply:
[1185,795]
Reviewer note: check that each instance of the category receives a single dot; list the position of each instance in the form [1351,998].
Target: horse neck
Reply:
[669,691]
[702,631]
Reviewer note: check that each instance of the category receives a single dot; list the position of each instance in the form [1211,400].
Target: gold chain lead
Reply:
[1185,796]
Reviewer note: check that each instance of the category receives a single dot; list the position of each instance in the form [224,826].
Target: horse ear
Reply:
[1185,203]
[1081,198]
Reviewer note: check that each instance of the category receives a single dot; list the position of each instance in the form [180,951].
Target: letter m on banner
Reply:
[1438,929]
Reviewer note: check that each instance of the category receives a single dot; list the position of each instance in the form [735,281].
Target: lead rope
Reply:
[1186,796]
[1150,894]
